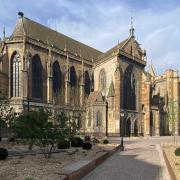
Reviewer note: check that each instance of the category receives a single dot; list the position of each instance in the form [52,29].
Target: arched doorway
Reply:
[135,128]
[128,128]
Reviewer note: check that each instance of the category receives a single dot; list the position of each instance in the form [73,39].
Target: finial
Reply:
[132,28]
[20,14]
[4,33]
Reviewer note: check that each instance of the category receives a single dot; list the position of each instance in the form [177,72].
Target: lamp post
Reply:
[122,129]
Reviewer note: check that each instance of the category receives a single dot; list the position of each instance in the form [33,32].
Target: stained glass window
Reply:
[129,89]
[102,81]
[37,83]
[56,77]
[73,78]
[87,84]
[15,75]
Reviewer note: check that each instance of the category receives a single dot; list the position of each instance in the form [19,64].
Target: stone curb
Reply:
[164,173]
[81,172]
[169,167]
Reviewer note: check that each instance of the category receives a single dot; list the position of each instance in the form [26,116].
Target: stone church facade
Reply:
[108,93]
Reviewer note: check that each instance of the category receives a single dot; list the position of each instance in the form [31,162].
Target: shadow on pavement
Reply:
[125,167]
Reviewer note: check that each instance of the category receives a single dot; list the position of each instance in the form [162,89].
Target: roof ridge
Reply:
[110,51]
[59,33]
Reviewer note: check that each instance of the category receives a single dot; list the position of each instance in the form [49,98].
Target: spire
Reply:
[152,70]
[4,33]
[132,28]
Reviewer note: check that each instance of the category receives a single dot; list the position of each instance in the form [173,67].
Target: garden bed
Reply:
[172,161]
[36,166]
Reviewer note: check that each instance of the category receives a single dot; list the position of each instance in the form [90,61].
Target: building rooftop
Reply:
[41,33]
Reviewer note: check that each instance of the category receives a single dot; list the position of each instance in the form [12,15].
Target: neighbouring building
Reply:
[107,92]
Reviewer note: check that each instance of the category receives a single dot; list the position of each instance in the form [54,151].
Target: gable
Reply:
[99,97]
[132,47]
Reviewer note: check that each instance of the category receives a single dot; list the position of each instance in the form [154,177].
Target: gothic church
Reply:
[107,92]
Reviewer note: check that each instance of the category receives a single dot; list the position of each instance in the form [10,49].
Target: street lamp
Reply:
[121,129]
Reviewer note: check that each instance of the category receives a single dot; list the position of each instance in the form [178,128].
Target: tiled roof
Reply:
[113,50]
[42,33]
[95,96]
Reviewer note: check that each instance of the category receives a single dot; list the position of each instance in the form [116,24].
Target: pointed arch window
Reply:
[37,83]
[102,81]
[57,76]
[98,119]
[87,83]
[73,78]
[129,89]
[15,75]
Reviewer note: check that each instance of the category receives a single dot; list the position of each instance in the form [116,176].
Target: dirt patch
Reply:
[36,166]
[173,160]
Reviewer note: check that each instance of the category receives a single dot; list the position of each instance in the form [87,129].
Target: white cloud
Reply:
[101,24]
[158,32]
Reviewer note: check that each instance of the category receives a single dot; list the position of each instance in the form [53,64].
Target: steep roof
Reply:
[114,49]
[95,96]
[36,31]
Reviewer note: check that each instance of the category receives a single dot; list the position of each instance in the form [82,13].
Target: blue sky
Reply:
[102,23]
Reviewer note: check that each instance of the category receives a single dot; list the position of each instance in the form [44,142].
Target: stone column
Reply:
[117,102]
[146,109]
[49,77]
[67,79]
[82,84]
[157,130]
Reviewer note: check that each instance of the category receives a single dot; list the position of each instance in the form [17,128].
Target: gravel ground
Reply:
[36,166]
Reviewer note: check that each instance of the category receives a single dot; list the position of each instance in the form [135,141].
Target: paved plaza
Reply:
[141,160]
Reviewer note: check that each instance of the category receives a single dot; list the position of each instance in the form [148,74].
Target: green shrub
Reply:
[11,139]
[76,142]
[177,152]
[87,138]
[63,144]
[87,145]
[105,141]
[29,178]
[3,153]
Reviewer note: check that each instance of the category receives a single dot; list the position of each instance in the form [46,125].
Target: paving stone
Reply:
[140,161]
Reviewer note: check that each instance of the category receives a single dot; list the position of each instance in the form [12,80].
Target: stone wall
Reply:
[3,85]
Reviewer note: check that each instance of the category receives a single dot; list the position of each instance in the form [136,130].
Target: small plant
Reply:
[29,178]
[105,141]
[87,138]
[87,145]
[63,144]
[3,153]
[11,139]
[177,152]
[76,142]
